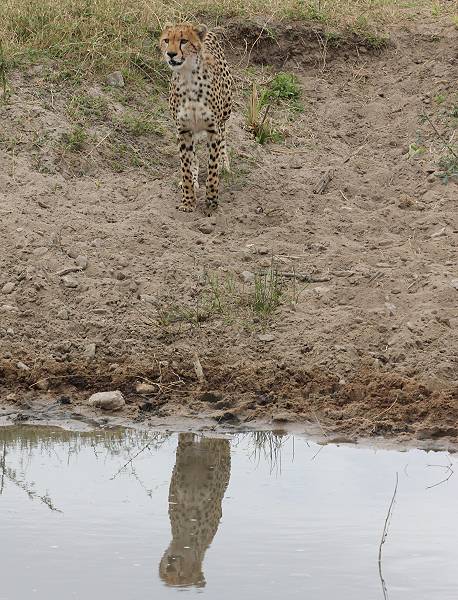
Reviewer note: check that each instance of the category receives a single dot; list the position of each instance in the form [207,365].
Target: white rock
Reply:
[81,261]
[107,400]
[266,337]
[89,351]
[69,282]
[8,287]
[454,283]
[22,366]
[145,388]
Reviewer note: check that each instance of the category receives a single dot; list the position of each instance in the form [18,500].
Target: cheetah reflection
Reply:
[199,481]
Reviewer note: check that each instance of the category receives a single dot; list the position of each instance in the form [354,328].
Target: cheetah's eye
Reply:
[166,41]
[182,42]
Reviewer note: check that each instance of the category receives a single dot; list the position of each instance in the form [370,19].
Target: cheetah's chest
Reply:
[194,109]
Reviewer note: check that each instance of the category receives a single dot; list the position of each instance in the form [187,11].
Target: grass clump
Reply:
[139,125]
[83,107]
[75,140]
[221,296]
[268,292]
[258,120]
[283,87]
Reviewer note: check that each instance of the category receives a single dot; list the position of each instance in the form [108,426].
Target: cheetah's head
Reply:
[180,44]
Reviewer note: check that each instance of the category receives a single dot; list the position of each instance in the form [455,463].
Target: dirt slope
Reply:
[367,345]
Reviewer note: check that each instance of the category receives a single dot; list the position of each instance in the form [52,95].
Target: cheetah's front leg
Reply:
[188,161]
[215,141]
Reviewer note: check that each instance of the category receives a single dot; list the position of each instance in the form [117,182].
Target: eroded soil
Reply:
[364,341]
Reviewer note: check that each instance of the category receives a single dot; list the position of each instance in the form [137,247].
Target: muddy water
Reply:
[126,515]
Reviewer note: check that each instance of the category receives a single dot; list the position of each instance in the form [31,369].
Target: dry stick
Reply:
[129,461]
[198,368]
[450,471]
[384,536]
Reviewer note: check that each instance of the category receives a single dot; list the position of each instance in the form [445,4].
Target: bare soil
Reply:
[365,345]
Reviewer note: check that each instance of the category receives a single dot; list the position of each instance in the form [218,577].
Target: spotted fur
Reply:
[200,101]
[199,481]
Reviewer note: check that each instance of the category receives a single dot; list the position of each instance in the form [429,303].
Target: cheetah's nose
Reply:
[171,54]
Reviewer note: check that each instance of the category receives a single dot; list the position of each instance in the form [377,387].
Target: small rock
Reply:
[69,281]
[247,276]
[23,367]
[454,283]
[266,337]
[107,400]
[145,388]
[263,250]
[115,79]
[63,314]
[206,228]
[89,351]
[81,261]
[8,287]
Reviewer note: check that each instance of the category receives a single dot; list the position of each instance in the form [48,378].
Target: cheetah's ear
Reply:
[201,31]
[167,25]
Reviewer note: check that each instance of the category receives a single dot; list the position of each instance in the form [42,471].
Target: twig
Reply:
[319,424]
[384,536]
[146,446]
[450,471]
[198,368]
[68,270]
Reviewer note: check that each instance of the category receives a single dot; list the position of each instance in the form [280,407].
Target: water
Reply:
[249,516]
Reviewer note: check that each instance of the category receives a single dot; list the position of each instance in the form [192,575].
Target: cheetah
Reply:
[200,102]
[199,481]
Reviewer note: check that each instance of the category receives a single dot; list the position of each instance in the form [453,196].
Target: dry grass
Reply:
[111,34]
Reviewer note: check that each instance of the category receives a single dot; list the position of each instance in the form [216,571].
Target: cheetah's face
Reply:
[180,44]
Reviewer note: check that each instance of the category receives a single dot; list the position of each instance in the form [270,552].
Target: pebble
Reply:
[145,388]
[206,228]
[115,79]
[107,400]
[263,250]
[454,283]
[89,351]
[266,337]
[8,287]
[247,276]
[81,261]
[69,281]
[23,367]
[63,314]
